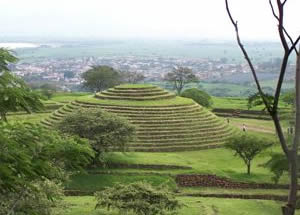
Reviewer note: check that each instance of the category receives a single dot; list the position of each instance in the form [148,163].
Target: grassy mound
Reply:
[165,123]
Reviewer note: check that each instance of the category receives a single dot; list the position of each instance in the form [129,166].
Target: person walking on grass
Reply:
[244,127]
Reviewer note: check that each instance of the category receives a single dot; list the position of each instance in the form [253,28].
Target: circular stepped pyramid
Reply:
[164,122]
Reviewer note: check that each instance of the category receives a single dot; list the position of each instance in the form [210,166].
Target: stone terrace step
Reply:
[135,94]
[136,88]
[142,98]
[175,148]
[199,138]
[186,143]
[144,90]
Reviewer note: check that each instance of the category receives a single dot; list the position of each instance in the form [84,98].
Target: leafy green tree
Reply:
[6,58]
[179,77]
[289,98]
[14,93]
[198,96]
[247,147]
[106,131]
[278,164]
[99,78]
[256,100]
[33,164]
[48,90]
[140,198]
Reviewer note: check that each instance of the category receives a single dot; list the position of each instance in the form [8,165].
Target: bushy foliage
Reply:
[99,78]
[140,198]
[198,96]
[247,147]
[289,97]
[106,131]
[278,164]
[33,163]
[14,93]
[256,100]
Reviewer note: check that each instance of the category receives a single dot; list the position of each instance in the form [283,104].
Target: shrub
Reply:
[140,198]
[198,96]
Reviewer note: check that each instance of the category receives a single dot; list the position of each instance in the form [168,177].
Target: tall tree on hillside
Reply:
[179,77]
[132,77]
[289,46]
[99,78]
[14,92]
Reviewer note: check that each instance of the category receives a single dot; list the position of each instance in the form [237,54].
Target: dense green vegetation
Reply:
[212,161]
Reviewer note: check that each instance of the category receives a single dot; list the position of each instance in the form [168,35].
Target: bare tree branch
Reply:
[284,30]
[266,103]
[280,26]
[273,11]
[284,2]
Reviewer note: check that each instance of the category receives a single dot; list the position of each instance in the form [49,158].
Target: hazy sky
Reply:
[174,19]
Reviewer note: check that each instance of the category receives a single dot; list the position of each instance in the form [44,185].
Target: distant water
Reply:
[18,45]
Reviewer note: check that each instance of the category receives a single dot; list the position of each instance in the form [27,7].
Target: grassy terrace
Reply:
[135,86]
[167,102]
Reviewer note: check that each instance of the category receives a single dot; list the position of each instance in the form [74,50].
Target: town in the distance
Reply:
[63,63]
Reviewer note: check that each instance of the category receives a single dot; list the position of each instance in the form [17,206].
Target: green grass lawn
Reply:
[193,206]
[240,103]
[135,86]
[94,182]
[221,162]
[67,97]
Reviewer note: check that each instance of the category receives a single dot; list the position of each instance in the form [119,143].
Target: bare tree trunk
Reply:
[290,153]
[289,208]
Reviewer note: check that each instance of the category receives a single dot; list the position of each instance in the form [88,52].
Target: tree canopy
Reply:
[33,164]
[99,78]
[247,147]
[256,100]
[179,77]
[106,131]
[14,93]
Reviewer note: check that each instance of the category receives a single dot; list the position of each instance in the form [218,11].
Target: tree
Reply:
[289,46]
[247,147]
[99,78]
[179,77]
[198,96]
[132,77]
[14,93]
[33,164]
[256,100]
[289,97]
[6,58]
[48,90]
[140,198]
[106,131]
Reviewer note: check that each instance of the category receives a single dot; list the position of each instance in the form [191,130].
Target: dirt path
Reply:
[254,128]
